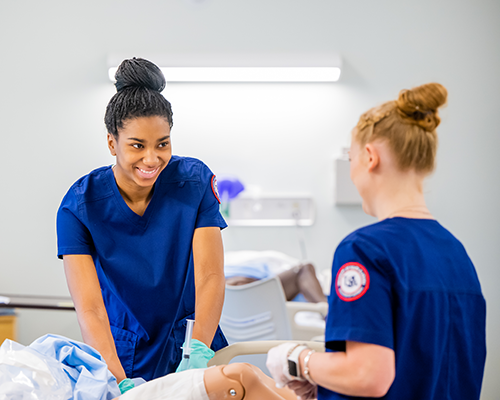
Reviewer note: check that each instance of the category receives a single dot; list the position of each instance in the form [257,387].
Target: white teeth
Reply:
[148,172]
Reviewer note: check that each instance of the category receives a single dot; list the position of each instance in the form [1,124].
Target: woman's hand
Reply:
[277,363]
[125,385]
[304,389]
[199,357]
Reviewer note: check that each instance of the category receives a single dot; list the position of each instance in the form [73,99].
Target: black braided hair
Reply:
[139,83]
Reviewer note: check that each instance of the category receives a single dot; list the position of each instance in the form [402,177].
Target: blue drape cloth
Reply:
[87,371]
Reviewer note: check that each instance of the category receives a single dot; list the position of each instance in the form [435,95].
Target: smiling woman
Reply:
[141,240]
[142,152]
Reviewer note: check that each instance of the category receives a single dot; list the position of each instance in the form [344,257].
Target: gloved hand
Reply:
[304,390]
[277,363]
[126,385]
[200,356]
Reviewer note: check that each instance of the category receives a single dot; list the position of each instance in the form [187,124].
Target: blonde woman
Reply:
[407,316]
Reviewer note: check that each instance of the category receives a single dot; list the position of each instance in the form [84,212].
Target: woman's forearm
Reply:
[208,256]
[209,302]
[92,316]
[364,369]
[96,333]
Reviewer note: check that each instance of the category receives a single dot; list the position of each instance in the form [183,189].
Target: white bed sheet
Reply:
[186,385]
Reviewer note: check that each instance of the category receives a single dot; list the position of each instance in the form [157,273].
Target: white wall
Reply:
[54,89]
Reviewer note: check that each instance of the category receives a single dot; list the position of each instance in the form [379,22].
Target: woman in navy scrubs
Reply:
[141,240]
[406,313]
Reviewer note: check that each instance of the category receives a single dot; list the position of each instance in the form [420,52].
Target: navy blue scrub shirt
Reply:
[409,285]
[144,263]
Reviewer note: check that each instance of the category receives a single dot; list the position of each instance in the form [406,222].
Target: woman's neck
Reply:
[401,196]
[137,198]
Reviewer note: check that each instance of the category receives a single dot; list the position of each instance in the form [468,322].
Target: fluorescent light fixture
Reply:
[247,74]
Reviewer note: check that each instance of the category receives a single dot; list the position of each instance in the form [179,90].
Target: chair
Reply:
[259,311]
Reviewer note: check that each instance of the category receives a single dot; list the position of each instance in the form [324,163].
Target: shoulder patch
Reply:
[352,281]
[214,188]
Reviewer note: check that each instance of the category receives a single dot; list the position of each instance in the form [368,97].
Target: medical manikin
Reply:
[239,381]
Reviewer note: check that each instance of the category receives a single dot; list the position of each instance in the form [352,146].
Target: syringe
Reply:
[186,349]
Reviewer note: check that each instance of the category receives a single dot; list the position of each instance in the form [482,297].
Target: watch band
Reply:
[293,361]
[293,348]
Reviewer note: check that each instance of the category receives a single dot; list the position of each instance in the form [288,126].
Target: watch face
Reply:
[292,368]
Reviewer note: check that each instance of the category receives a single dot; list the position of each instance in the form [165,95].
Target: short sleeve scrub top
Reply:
[409,285]
[144,263]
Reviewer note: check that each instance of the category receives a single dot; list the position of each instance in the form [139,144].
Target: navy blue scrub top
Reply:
[409,285]
[144,263]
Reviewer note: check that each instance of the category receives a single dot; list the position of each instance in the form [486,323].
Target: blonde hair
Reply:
[409,126]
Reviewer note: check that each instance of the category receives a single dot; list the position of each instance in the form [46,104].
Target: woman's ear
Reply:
[373,156]
[111,144]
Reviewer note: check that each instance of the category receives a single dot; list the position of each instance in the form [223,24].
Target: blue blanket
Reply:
[54,367]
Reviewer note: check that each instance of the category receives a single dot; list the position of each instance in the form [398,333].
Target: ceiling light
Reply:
[247,74]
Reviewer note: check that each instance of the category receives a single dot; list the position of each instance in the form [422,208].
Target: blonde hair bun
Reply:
[420,105]
[408,124]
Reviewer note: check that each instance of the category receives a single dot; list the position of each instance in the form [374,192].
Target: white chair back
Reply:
[256,311]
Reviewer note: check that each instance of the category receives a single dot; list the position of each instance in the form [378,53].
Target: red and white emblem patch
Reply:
[214,188]
[352,281]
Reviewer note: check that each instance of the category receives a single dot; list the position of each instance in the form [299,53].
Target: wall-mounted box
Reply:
[271,210]
[345,193]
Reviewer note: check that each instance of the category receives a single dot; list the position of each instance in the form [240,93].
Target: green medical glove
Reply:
[126,385]
[200,356]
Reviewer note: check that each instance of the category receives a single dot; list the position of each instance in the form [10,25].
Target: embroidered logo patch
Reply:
[214,188]
[352,281]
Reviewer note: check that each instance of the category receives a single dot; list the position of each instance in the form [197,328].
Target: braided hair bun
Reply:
[138,72]
[419,105]
[139,84]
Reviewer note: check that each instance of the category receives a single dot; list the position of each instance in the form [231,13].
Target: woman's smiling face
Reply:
[142,151]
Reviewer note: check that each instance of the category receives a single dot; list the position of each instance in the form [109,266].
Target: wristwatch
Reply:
[293,362]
